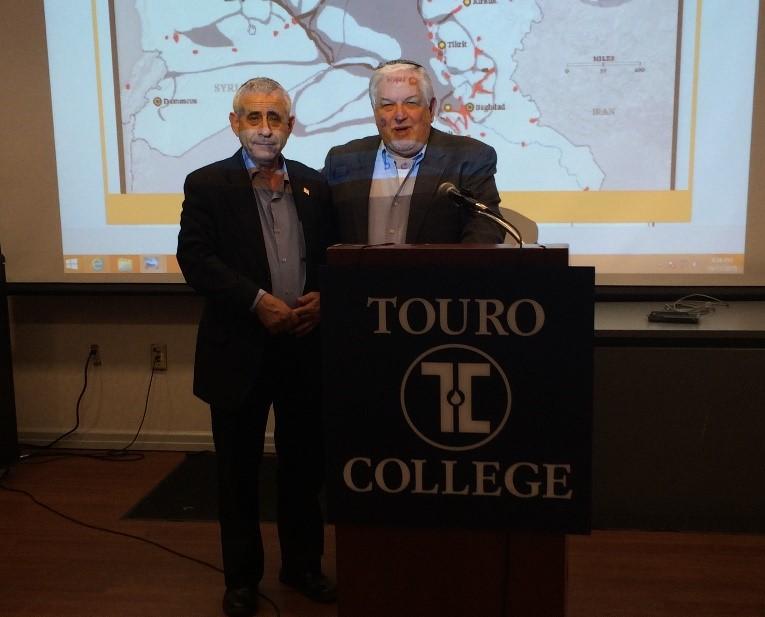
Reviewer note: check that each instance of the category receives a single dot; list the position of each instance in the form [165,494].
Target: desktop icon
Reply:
[153,263]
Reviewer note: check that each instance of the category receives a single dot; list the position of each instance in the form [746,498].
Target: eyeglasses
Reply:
[398,61]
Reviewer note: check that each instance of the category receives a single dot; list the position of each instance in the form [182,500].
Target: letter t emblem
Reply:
[458,401]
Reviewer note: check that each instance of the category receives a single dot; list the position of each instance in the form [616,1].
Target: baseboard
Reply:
[95,440]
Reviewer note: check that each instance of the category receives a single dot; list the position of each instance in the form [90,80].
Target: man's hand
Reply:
[308,312]
[275,315]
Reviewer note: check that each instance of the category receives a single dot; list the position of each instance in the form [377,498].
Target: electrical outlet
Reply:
[96,353]
[159,356]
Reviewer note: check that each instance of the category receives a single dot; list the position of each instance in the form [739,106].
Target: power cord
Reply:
[123,534]
[121,454]
[115,455]
[91,355]
[695,304]
[118,455]
[41,458]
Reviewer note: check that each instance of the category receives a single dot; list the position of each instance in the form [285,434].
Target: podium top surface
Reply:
[442,254]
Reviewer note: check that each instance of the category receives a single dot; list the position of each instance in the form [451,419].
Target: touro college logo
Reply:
[455,397]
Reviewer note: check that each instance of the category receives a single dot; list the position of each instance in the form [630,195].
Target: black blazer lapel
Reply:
[301,192]
[244,206]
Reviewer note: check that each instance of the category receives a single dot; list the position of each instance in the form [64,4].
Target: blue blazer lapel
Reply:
[349,171]
[364,168]
[428,179]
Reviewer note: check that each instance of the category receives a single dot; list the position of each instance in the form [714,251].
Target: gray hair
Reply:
[394,66]
[260,85]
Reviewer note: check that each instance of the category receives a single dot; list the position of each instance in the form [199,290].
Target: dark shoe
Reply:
[240,602]
[312,585]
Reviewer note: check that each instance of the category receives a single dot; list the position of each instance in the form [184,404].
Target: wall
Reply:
[677,440]
[51,337]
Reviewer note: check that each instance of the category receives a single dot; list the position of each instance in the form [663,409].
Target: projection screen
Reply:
[628,129]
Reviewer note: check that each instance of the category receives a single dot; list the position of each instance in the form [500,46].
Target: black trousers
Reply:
[290,380]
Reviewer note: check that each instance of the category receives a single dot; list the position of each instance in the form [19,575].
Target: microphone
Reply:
[447,189]
[450,191]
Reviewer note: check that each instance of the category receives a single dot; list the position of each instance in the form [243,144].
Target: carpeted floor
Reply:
[189,492]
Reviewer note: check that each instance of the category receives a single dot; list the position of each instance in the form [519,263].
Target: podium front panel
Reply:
[458,396]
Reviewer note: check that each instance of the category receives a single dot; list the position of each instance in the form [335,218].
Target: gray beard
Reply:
[408,146]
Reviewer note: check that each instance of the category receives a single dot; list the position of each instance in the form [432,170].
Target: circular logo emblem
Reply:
[455,397]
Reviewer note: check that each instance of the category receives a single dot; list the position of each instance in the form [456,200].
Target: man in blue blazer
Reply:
[253,231]
[385,187]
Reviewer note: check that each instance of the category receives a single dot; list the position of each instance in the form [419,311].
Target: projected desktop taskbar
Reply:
[120,264]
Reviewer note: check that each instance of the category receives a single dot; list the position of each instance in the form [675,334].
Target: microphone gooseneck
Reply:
[450,191]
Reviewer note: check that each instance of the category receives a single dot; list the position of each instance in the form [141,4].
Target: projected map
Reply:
[557,88]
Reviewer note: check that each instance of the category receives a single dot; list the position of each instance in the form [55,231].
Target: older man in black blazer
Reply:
[252,234]
[385,187]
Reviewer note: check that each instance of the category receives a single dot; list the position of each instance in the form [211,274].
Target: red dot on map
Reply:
[286,26]
[176,37]
[234,49]
[483,134]
[194,51]
[294,20]
[127,86]
[478,38]
[276,33]
[533,120]
[515,88]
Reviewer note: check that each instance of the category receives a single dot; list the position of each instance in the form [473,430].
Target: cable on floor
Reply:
[130,536]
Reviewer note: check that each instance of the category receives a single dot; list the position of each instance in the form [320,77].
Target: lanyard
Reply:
[403,182]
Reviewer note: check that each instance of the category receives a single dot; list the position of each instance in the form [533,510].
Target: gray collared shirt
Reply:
[390,195]
[282,235]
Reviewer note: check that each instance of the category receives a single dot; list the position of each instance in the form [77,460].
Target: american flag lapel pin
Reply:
[306,191]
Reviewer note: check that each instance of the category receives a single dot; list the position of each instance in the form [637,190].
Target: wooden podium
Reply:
[411,542]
